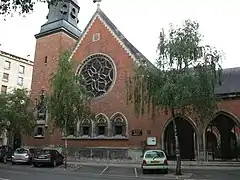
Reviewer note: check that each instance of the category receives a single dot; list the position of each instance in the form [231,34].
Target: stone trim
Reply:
[108,131]
[97,15]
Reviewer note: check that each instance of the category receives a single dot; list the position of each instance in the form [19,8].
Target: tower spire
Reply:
[62,16]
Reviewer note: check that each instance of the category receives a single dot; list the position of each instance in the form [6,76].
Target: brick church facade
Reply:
[106,58]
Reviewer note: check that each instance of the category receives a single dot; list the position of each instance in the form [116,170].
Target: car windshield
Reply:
[45,152]
[154,154]
[21,151]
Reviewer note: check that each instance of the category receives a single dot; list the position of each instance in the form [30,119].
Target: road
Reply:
[80,172]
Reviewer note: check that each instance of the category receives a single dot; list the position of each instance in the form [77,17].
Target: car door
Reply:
[58,157]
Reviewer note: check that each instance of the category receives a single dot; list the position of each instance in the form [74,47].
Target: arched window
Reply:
[119,127]
[101,126]
[86,128]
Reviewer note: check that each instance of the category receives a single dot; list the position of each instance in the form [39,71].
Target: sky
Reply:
[141,22]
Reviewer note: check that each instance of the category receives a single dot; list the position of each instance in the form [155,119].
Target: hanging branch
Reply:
[184,80]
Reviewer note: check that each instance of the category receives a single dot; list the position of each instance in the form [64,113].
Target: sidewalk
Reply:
[137,164]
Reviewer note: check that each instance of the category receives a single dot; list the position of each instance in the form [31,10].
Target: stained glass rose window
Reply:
[99,74]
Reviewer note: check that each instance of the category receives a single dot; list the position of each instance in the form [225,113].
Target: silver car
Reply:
[22,155]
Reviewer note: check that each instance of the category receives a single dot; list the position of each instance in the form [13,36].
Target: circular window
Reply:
[98,72]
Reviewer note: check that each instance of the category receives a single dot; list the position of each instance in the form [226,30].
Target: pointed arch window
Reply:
[119,126]
[101,126]
[86,128]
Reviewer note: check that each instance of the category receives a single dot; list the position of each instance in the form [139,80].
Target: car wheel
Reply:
[165,171]
[30,161]
[144,171]
[13,163]
[54,163]
[35,165]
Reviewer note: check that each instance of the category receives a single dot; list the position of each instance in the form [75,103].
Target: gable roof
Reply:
[135,54]
[230,81]
[230,76]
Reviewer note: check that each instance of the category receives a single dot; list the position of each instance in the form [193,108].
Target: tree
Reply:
[183,82]
[8,7]
[16,112]
[69,97]
[3,112]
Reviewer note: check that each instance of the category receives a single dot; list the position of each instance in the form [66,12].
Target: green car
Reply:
[154,160]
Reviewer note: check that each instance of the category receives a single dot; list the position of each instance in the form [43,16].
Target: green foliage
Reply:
[16,111]
[23,7]
[185,78]
[69,97]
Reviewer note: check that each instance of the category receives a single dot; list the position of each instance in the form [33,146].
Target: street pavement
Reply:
[86,172]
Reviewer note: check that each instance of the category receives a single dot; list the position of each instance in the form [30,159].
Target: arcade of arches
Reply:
[220,140]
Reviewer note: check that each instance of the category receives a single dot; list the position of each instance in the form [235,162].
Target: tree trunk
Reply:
[65,144]
[178,157]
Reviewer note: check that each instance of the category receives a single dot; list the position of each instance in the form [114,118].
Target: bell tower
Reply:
[62,16]
[57,35]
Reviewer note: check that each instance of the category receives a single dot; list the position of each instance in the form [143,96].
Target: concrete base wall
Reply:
[99,152]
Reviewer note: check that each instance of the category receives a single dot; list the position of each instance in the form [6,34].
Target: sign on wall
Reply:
[137,132]
[151,141]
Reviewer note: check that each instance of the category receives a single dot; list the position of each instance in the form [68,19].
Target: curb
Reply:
[134,165]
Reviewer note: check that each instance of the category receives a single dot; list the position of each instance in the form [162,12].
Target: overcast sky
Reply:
[140,21]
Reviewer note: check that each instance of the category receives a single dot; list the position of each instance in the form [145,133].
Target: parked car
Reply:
[6,153]
[23,155]
[154,160]
[48,157]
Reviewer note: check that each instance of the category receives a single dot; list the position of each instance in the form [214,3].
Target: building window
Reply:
[20,81]
[71,131]
[101,130]
[86,131]
[7,65]
[119,126]
[39,131]
[118,130]
[99,74]
[45,61]
[86,128]
[4,89]
[21,69]
[101,126]
[5,77]
[96,37]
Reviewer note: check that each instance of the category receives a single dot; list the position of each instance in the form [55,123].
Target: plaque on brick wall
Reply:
[137,132]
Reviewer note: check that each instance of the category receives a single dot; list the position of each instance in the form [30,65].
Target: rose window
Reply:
[99,74]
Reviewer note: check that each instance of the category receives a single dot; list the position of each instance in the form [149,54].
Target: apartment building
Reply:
[15,72]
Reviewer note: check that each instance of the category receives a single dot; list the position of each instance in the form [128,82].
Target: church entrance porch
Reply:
[221,138]
[187,139]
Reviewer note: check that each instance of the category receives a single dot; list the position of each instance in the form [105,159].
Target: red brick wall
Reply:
[51,47]
[115,100]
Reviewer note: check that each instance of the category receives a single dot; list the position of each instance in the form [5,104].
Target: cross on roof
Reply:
[98,2]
